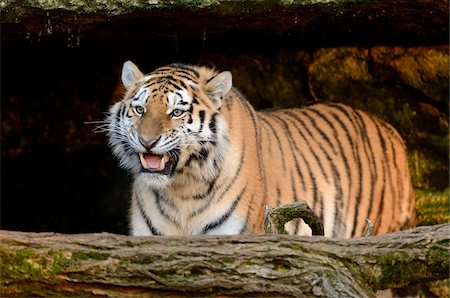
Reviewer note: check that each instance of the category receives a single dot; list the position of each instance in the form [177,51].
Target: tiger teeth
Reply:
[143,161]
[162,164]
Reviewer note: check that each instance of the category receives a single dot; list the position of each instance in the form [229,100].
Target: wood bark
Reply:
[276,218]
[120,266]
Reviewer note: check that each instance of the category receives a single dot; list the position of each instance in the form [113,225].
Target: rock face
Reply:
[61,64]
[317,21]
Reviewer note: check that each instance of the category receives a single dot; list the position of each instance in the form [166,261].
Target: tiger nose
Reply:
[148,142]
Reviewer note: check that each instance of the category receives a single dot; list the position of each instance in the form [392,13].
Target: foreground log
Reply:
[105,264]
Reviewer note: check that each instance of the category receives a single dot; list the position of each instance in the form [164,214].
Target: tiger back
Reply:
[205,162]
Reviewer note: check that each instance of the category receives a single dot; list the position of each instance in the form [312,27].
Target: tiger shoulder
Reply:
[204,161]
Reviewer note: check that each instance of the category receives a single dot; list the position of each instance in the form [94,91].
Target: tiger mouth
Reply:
[160,164]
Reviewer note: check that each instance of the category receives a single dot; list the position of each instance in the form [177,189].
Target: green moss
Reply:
[282,265]
[26,264]
[171,257]
[91,255]
[295,246]
[227,260]
[80,256]
[395,268]
[432,207]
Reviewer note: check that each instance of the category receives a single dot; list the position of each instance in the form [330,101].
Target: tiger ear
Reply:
[218,86]
[130,74]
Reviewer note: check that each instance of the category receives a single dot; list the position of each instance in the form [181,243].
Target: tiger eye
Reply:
[177,113]
[139,110]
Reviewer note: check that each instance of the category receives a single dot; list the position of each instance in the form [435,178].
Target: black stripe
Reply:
[148,85]
[139,95]
[308,166]
[159,199]
[278,143]
[236,176]
[311,138]
[370,156]
[199,156]
[178,70]
[182,84]
[395,196]
[201,115]
[394,136]
[250,112]
[346,131]
[150,226]
[212,122]
[208,191]
[210,79]
[203,154]
[122,112]
[339,223]
[167,79]
[296,199]
[292,145]
[320,208]
[249,211]
[294,191]
[184,69]
[257,130]
[378,222]
[329,159]
[278,195]
[185,76]
[244,228]
[176,86]
[212,225]
[386,160]
[357,209]
[313,122]
[357,156]
[343,155]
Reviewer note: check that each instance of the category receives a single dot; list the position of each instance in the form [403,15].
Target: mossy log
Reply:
[35,264]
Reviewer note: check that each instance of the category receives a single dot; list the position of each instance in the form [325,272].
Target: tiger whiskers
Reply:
[103,126]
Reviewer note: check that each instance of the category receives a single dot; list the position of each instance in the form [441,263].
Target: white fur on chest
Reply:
[175,216]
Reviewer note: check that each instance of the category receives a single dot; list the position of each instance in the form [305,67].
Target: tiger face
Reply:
[167,119]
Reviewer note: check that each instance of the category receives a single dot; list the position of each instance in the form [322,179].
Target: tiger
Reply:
[204,161]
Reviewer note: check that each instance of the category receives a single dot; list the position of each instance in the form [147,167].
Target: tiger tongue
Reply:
[151,161]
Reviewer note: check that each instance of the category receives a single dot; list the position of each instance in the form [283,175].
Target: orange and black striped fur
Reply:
[205,162]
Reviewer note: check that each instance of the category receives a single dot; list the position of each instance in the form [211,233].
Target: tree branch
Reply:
[276,218]
[34,264]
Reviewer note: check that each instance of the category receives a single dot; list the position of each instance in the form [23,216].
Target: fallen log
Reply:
[43,264]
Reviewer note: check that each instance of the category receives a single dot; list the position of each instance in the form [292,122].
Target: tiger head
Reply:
[169,121]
